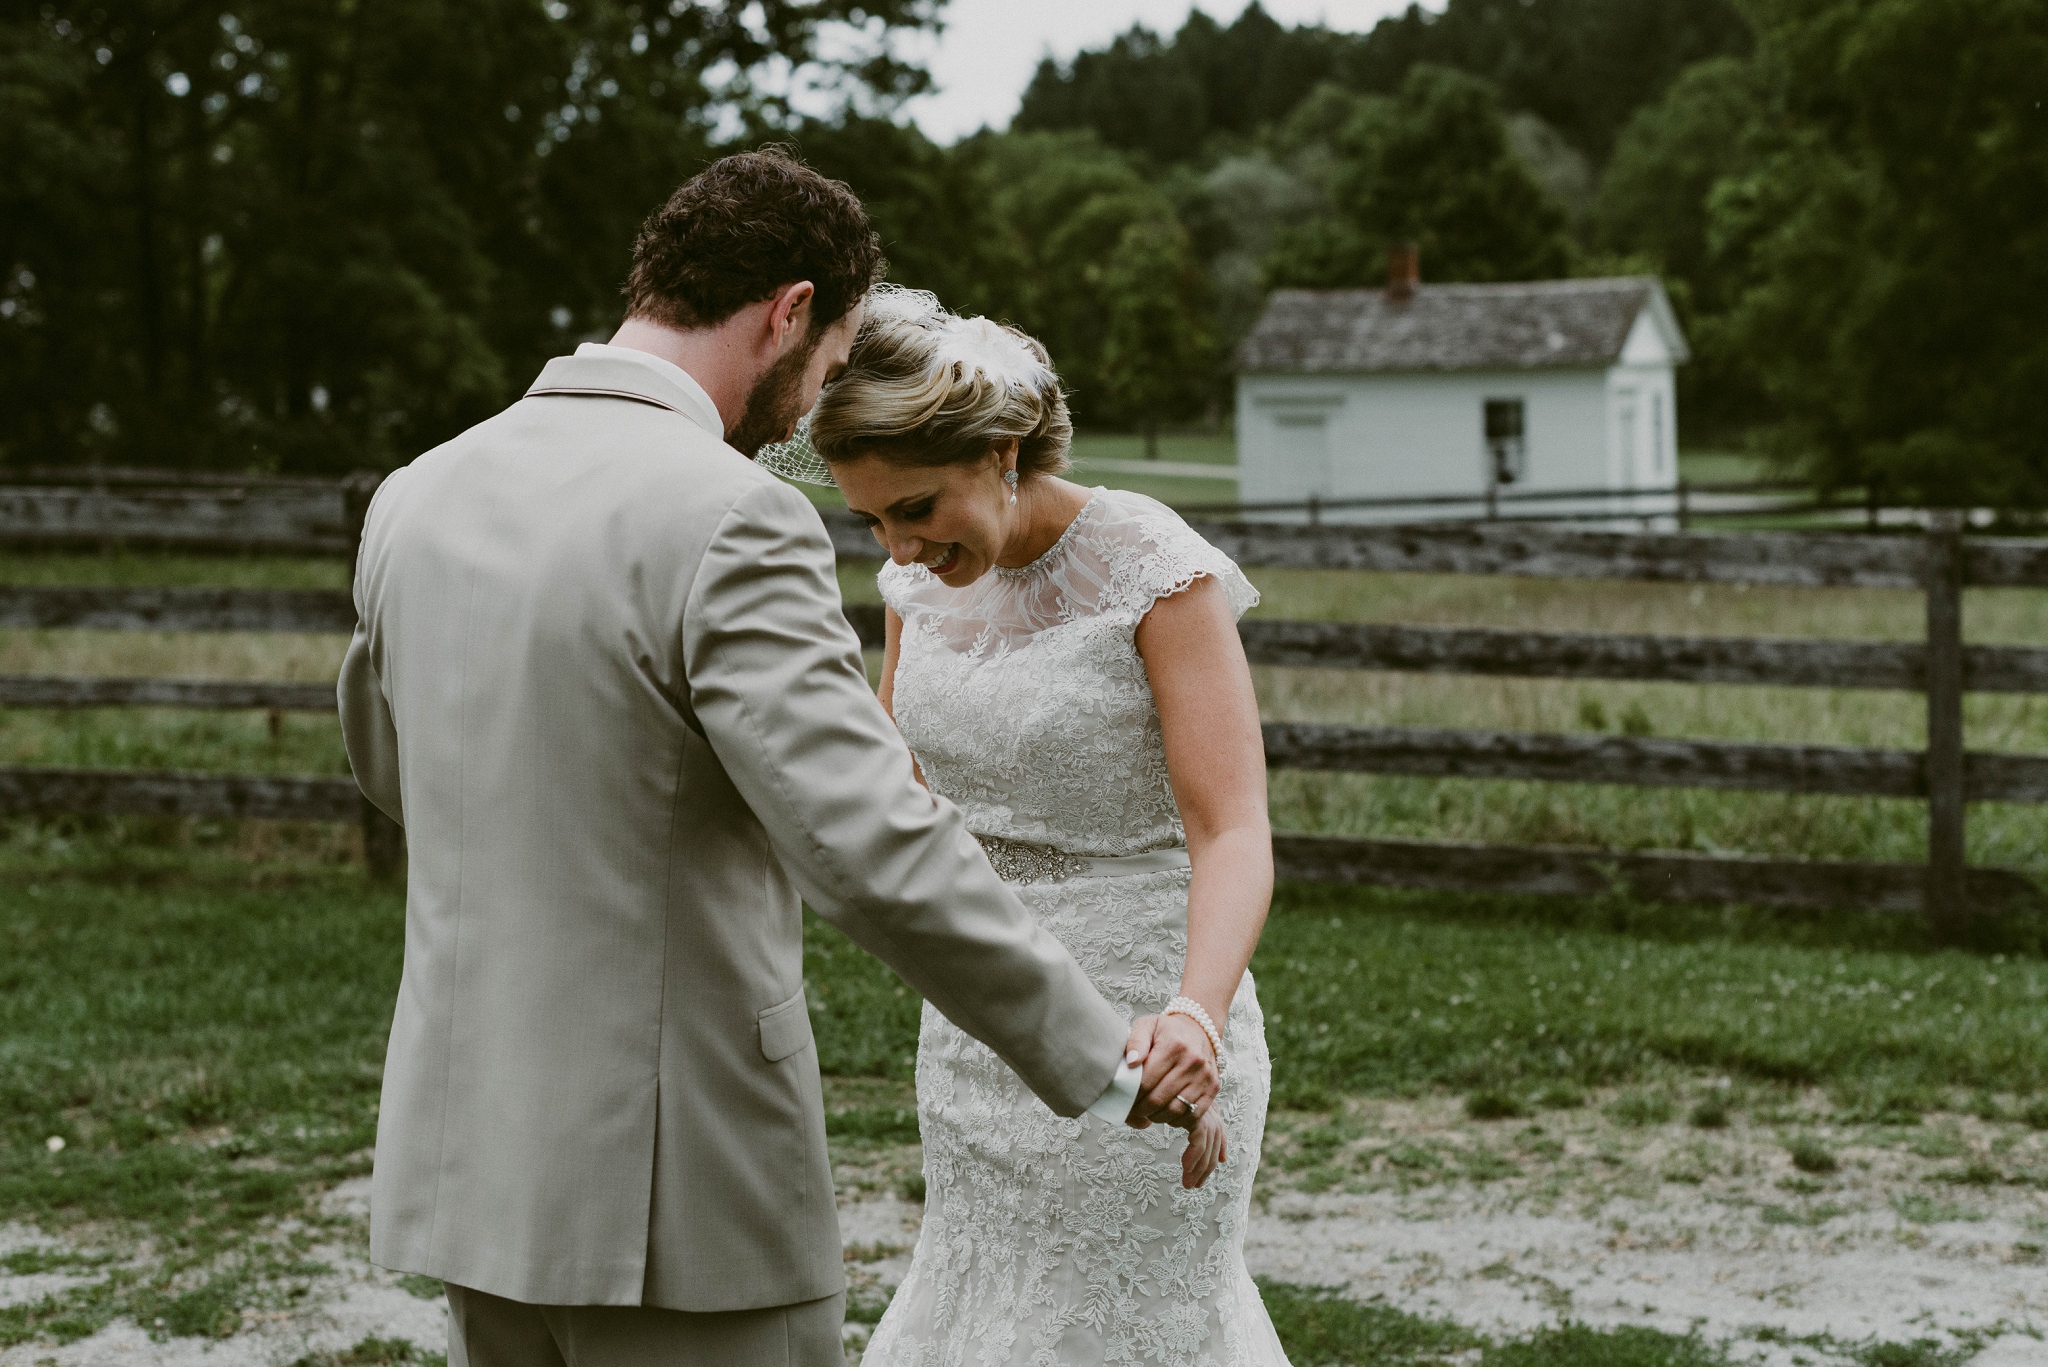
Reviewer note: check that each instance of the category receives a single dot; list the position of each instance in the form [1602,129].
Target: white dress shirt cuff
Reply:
[1114,1105]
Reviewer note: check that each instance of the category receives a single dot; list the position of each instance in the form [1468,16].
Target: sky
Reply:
[990,48]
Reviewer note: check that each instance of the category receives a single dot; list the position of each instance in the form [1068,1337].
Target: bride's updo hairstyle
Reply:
[924,387]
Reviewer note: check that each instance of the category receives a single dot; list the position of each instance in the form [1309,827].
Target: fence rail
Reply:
[1644,761]
[302,517]
[1713,880]
[319,611]
[1661,659]
[1938,564]
[210,695]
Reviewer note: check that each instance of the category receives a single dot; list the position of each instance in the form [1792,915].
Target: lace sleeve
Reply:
[1167,555]
[897,583]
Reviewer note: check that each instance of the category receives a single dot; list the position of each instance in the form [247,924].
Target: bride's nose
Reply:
[904,549]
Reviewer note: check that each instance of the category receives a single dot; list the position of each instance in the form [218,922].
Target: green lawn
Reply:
[1398,993]
[1206,448]
[203,1031]
[1722,465]
[190,1050]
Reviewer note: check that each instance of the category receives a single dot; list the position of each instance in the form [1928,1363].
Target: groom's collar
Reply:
[623,372]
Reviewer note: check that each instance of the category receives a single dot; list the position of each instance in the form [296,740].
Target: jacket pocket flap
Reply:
[785,1028]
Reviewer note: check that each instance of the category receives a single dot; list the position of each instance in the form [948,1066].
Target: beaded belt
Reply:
[1017,861]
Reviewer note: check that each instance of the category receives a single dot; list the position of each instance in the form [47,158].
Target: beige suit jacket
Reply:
[602,677]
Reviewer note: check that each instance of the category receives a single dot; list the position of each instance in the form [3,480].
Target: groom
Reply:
[601,674]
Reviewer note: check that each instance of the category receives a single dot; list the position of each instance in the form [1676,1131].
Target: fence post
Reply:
[1947,902]
[1684,504]
[383,843]
[1315,510]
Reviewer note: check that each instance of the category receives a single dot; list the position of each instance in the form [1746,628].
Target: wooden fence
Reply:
[1683,503]
[1945,776]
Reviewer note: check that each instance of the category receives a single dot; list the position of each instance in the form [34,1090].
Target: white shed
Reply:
[1452,391]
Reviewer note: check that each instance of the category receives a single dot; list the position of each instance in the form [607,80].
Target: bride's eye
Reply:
[917,513]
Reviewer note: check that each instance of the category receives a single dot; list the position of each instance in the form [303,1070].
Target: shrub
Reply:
[1711,1113]
[1488,1104]
[1810,1155]
[1641,1109]
[1579,1345]
[1319,1325]
[874,1124]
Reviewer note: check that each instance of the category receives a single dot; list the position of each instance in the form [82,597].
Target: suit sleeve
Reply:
[775,680]
[367,729]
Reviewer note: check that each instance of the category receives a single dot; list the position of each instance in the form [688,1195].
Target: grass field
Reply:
[196,1010]
[203,1034]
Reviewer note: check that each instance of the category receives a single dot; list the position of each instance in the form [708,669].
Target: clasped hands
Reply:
[1179,1088]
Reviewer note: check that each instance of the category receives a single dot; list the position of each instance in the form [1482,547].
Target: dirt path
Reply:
[1609,1213]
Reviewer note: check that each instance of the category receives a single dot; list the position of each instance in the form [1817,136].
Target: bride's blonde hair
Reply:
[925,387]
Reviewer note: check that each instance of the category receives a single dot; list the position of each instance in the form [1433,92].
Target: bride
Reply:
[1065,665]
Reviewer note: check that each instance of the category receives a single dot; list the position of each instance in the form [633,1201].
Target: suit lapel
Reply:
[617,377]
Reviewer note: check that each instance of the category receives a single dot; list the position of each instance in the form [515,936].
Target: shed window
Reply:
[1505,443]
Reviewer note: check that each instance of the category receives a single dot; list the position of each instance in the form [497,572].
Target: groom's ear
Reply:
[789,313]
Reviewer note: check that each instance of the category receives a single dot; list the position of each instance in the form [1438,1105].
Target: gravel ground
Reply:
[1615,1211]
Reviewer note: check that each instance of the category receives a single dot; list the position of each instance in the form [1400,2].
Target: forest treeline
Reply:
[320,236]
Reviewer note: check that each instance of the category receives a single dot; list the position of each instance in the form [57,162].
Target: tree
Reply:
[1892,241]
[1157,352]
[315,237]
[1233,218]
[1583,66]
[1057,206]
[1166,100]
[924,200]
[1432,166]
[1655,201]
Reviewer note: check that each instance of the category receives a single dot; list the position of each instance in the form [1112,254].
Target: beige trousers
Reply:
[490,1331]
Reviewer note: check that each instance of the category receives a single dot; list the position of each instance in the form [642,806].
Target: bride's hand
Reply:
[1207,1148]
[1180,1081]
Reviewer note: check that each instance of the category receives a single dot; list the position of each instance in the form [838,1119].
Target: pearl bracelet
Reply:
[1199,1014]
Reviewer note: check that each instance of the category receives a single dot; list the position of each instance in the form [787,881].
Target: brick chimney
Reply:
[1404,272]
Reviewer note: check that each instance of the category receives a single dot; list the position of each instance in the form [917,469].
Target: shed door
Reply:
[1628,438]
[1301,457]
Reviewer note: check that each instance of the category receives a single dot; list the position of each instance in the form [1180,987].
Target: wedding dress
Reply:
[1049,1242]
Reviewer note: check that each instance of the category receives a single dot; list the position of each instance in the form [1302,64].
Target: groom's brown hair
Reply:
[744,227]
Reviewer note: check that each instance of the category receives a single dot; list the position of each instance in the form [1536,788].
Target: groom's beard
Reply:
[774,403]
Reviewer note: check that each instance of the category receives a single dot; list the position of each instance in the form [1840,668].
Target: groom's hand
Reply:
[1180,1080]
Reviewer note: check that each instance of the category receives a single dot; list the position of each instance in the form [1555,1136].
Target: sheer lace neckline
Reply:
[1052,553]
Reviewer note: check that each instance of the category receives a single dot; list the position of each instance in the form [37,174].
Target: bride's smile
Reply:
[959,520]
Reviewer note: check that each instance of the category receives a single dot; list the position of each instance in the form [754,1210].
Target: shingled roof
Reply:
[1536,324]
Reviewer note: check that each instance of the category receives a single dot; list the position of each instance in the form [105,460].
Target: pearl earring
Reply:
[1010,478]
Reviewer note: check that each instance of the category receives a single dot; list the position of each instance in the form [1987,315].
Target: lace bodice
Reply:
[1023,695]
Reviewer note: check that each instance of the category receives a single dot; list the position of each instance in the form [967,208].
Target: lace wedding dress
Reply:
[1049,1242]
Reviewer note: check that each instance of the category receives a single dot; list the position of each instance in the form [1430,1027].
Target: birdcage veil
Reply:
[796,458]
[974,343]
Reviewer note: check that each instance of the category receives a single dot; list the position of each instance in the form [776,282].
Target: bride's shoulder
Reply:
[906,588]
[1153,553]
